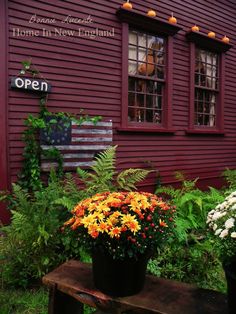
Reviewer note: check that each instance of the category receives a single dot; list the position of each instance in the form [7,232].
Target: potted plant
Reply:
[121,230]
[222,222]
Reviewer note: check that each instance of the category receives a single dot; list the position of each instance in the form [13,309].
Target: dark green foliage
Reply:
[192,206]
[230,177]
[32,301]
[34,243]
[191,257]
[194,263]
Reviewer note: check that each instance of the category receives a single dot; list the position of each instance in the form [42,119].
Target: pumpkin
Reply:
[172,19]
[225,39]
[195,28]
[127,5]
[151,13]
[211,35]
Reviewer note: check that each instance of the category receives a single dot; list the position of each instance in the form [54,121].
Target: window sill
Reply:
[145,130]
[145,22]
[204,41]
[204,132]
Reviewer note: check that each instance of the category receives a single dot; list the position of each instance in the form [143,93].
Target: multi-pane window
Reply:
[206,87]
[147,74]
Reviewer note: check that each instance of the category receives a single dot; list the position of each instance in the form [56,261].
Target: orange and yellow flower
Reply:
[119,219]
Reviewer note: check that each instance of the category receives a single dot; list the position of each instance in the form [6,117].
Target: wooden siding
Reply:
[86,73]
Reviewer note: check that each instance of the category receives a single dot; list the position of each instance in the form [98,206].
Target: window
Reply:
[206,88]
[147,57]
[147,73]
[207,63]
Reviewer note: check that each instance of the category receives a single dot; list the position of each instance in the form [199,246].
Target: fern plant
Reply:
[192,206]
[33,243]
[103,175]
[230,177]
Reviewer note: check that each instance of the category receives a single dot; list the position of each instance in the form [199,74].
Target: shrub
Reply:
[33,244]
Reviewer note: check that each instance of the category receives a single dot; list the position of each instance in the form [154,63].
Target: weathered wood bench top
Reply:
[74,279]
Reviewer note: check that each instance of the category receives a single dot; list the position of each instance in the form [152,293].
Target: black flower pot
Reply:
[119,277]
[230,274]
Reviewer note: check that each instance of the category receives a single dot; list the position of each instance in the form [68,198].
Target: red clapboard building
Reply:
[169,91]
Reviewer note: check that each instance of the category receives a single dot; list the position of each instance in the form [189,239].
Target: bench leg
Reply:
[60,303]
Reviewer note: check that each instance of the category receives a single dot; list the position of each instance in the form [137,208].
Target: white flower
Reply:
[212,212]
[229,223]
[224,233]
[218,231]
[218,215]
[233,235]
[214,227]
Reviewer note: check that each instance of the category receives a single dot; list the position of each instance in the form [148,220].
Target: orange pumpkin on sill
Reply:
[225,39]
[172,19]
[211,35]
[127,5]
[195,28]
[151,13]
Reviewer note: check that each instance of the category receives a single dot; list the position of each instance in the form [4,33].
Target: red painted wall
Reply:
[86,73]
[4,165]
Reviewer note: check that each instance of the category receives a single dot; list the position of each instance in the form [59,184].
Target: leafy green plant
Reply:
[33,243]
[196,263]
[191,257]
[230,177]
[19,301]
[103,175]
[192,206]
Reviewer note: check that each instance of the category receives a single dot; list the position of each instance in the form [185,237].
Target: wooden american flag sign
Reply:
[78,144]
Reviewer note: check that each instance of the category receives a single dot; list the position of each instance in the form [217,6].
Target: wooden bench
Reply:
[71,286]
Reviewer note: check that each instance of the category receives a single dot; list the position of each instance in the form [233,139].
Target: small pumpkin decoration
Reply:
[195,28]
[151,13]
[172,19]
[225,39]
[211,35]
[127,5]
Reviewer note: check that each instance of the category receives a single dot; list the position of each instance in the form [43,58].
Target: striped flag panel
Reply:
[81,145]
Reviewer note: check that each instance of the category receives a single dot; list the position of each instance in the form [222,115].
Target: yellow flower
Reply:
[134,226]
[115,232]
[98,216]
[131,222]
[103,227]
[87,220]
[102,208]
[127,219]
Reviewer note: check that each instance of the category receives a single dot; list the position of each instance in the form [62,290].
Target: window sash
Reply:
[206,80]
[146,69]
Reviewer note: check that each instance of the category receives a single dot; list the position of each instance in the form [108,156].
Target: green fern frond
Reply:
[127,179]
[83,174]
[105,162]
[169,191]
[66,202]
